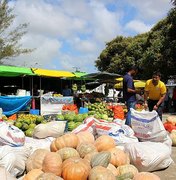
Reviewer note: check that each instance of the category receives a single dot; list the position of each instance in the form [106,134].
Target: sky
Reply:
[70,34]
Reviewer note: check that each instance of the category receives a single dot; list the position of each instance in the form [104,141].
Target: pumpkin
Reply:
[146,176]
[67,152]
[126,169]
[113,169]
[89,156]
[36,159]
[119,157]
[67,140]
[48,176]
[75,169]
[104,142]
[86,136]
[85,148]
[101,159]
[173,137]
[52,163]
[33,174]
[101,173]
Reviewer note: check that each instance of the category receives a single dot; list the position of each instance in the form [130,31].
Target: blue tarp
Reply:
[11,105]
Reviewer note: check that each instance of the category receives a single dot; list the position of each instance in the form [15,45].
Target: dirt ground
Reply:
[170,172]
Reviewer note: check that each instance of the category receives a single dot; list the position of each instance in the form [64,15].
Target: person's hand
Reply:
[145,106]
[138,91]
[155,107]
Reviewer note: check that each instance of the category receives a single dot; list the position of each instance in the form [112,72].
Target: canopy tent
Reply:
[137,84]
[103,77]
[12,71]
[52,73]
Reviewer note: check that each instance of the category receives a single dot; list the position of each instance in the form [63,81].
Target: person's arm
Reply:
[159,101]
[130,87]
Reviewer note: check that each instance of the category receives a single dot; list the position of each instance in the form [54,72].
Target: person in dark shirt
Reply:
[129,92]
[66,91]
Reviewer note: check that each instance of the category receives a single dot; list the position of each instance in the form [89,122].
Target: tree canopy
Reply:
[9,39]
[151,51]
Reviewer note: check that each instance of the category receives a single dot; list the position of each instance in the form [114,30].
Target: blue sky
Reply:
[72,33]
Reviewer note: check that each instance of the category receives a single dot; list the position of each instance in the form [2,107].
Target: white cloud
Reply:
[137,26]
[85,25]
[150,10]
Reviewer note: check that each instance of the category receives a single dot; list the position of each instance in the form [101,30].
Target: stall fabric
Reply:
[12,71]
[137,84]
[52,73]
[11,105]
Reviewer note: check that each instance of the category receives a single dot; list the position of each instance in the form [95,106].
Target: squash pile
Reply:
[81,157]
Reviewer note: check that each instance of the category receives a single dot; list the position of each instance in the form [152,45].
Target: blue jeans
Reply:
[128,118]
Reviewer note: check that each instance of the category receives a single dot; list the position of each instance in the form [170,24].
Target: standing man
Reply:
[155,91]
[129,92]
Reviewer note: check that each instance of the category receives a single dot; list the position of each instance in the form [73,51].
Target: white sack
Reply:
[13,159]
[122,134]
[149,156]
[35,144]
[148,126]
[5,175]
[11,135]
[50,129]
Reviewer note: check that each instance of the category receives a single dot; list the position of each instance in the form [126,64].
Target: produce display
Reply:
[68,161]
[100,111]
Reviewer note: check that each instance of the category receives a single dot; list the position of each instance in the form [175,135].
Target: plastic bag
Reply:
[13,159]
[149,156]
[148,126]
[50,129]
[11,135]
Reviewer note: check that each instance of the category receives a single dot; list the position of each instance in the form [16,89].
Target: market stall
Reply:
[19,100]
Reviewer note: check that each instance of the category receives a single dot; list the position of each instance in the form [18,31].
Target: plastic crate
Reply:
[34,111]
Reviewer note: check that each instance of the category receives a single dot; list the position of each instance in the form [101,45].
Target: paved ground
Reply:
[170,172]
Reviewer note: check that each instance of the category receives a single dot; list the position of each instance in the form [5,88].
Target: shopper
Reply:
[155,91]
[129,92]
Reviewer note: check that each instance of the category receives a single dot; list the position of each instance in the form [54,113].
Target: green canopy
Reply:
[12,71]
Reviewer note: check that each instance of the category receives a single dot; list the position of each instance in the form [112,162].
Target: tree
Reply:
[9,39]
[151,51]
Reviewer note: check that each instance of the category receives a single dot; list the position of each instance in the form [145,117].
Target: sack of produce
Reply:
[50,129]
[11,135]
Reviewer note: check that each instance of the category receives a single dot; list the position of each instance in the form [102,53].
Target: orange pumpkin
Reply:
[104,142]
[119,157]
[99,172]
[36,159]
[33,174]
[113,169]
[85,148]
[53,147]
[146,176]
[52,163]
[67,140]
[48,176]
[86,136]
[75,169]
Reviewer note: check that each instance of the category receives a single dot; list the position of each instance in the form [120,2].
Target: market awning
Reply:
[12,71]
[137,84]
[103,76]
[52,73]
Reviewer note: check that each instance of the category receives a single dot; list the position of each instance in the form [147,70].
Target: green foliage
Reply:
[9,46]
[150,51]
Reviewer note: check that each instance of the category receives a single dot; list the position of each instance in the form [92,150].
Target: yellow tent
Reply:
[137,84]
[52,73]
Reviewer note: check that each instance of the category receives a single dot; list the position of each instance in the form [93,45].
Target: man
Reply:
[129,92]
[155,91]
[66,91]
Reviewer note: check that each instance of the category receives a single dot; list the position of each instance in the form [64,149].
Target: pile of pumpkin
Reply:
[81,157]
